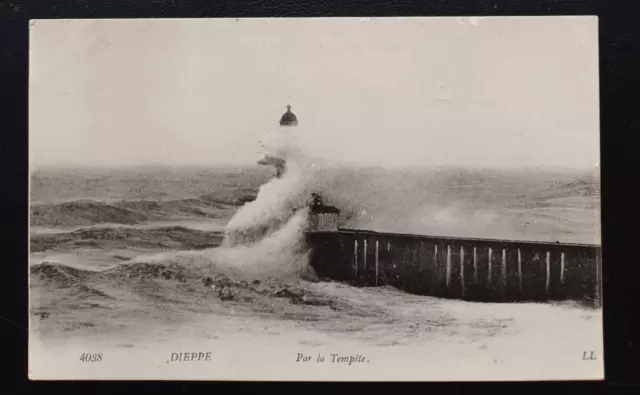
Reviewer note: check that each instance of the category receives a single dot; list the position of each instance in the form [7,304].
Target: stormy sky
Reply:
[487,92]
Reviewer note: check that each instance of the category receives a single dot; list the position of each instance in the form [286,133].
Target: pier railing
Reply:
[471,269]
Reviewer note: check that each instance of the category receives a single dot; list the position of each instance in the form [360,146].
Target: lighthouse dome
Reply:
[288,118]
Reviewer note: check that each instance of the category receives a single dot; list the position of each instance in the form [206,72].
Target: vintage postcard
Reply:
[322,199]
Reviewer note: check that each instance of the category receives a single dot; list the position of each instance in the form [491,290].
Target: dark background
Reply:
[619,96]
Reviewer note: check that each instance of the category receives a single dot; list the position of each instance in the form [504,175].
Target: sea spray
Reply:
[276,203]
[280,256]
[266,235]
[441,201]
[375,198]
[265,239]
[281,198]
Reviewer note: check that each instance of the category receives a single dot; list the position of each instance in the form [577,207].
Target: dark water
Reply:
[89,217]
[56,185]
[96,218]
[122,252]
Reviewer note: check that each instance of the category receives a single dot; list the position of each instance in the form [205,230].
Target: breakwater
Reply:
[462,268]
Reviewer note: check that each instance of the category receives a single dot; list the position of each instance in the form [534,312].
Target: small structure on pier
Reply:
[322,218]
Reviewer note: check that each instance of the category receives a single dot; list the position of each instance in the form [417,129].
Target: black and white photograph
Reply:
[315,199]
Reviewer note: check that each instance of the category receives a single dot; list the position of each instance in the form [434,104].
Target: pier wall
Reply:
[469,269]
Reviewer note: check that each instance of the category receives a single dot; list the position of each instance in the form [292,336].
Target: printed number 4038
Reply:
[86,357]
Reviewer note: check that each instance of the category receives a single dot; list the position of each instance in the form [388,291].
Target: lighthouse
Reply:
[288,119]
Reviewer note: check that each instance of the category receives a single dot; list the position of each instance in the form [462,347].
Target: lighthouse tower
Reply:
[288,119]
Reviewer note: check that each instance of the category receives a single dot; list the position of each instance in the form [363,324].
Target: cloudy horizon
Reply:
[394,92]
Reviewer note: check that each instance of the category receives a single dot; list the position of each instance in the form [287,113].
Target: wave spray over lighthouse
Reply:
[288,119]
